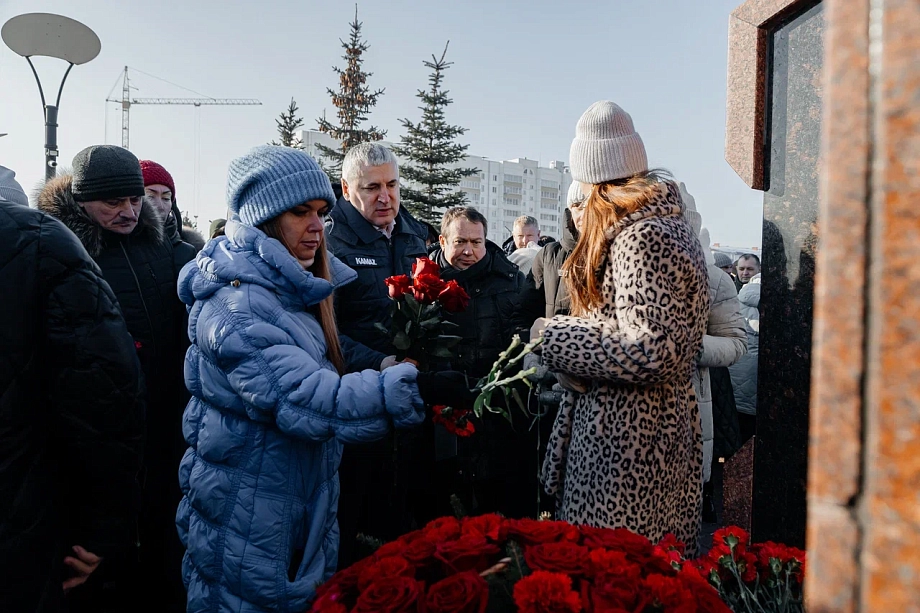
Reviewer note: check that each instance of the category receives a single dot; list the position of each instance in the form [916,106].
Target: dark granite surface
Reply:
[789,244]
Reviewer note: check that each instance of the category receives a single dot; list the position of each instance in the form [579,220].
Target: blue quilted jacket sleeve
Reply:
[279,379]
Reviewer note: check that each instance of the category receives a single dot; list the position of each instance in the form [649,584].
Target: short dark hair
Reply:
[463,212]
[750,256]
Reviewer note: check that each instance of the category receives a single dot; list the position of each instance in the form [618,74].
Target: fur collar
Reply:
[666,203]
[56,199]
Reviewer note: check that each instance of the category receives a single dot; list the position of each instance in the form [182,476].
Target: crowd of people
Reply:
[218,425]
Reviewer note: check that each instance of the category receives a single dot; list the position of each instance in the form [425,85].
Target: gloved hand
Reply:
[448,387]
[387,362]
[533,360]
[573,384]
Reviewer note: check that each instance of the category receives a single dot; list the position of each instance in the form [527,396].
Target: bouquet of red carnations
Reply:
[418,329]
[490,563]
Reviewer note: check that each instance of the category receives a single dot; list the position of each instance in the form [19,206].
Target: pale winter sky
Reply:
[524,72]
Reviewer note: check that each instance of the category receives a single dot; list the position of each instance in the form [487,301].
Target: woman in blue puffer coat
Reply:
[271,403]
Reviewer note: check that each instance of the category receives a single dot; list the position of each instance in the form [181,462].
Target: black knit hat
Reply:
[102,172]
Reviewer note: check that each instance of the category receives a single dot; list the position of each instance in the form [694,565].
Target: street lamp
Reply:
[51,36]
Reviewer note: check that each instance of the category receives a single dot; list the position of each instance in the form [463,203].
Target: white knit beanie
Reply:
[606,145]
[575,194]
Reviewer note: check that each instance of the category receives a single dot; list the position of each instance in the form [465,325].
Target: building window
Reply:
[512,213]
[549,184]
[548,195]
[494,190]
[544,217]
[512,201]
[514,178]
[495,177]
[512,190]
[493,201]
[470,184]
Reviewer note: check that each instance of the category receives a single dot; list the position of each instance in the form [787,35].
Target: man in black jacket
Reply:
[369,232]
[496,469]
[71,413]
[103,204]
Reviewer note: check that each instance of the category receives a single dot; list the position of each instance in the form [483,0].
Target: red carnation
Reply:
[464,592]
[393,566]
[390,595]
[637,548]
[669,542]
[670,594]
[469,552]
[424,266]
[489,526]
[601,561]
[545,592]
[613,592]
[534,532]
[731,536]
[398,285]
[426,288]
[706,596]
[563,557]
[454,298]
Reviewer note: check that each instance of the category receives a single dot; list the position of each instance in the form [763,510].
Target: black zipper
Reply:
[140,294]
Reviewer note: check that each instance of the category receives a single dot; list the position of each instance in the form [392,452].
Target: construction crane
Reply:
[127,102]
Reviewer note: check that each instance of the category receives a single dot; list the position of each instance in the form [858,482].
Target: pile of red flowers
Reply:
[455,421]
[764,577]
[490,563]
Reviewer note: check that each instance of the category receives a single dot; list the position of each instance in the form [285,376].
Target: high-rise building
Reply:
[502,190]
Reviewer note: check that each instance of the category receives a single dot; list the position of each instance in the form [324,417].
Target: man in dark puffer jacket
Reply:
[71,412]
[495,470]
[103,204]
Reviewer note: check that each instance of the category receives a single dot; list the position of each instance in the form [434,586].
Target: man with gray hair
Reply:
[372,234]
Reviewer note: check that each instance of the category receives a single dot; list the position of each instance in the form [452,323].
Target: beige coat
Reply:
[628,452]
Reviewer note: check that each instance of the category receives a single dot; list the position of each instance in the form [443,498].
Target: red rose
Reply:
[454,298]
[390,595]
[637,548]
[563,557]
[393,566]
[426,288]
[464,592]
[731,536]
[469,552]
[455,421]
[398,285]
[442,529]
[330,602]
[424,266]
[394,548]
[613,592]
[489,526]
[670,594]
[420,551]
[345,582]
[601,561]
[545,592]
[534,532]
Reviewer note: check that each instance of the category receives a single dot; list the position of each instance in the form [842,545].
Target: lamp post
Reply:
[51,36]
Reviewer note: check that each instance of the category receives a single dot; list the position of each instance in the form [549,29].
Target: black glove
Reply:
[448,387]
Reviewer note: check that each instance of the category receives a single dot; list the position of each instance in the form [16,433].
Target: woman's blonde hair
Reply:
[607,204]
[320,269]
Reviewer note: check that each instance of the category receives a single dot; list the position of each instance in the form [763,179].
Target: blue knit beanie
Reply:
[270,180]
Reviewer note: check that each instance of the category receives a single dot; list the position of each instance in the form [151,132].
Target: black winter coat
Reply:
[71,411]
[355,241]
[545,293]
[142,269]
[726,431]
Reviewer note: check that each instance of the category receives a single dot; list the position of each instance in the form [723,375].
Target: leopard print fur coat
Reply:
[628,452]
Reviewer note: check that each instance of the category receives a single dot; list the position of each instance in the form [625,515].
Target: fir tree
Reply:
[354,101]
[288,123]
[432,152]
[188,221]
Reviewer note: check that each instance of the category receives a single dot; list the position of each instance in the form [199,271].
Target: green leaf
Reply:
[413,305]
[448,341]
[449,325]
[441,351]
[382,328]
[477,406]
[409,328]
[430,324]
[401,341]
